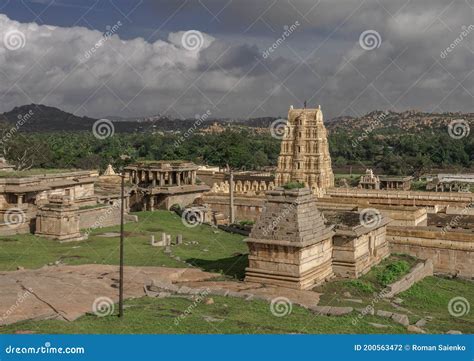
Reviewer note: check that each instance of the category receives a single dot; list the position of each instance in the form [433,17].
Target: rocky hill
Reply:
[407,121]
[46,119]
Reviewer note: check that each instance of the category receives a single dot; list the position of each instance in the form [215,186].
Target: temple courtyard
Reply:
[197,286]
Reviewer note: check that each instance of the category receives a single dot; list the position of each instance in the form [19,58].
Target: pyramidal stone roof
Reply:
[290,217]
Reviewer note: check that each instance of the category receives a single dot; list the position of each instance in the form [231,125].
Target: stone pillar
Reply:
[178,178]
[231,194]
[152,202]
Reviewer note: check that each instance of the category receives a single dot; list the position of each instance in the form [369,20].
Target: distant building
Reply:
[215,128]
[369,180]
[402,183]
[161,184]
[451,183]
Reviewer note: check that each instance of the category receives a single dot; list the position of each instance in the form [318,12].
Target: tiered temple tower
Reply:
[304,155]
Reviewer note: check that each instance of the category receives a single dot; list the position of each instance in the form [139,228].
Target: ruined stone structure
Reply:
[24,193]
[357,247]
[161,184]
[396,182]
[290,245]
[304,155]
[451,183]
[369,180]
[58,219]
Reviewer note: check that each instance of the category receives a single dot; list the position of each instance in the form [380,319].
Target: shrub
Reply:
[392,272]
[293,185]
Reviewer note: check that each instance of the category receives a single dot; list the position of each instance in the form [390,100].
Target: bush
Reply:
[392,272]
[293,185]
[246,223]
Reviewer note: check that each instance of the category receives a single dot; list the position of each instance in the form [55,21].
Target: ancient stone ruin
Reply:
[290,245]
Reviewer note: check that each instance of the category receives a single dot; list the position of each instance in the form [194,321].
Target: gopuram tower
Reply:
[304,155]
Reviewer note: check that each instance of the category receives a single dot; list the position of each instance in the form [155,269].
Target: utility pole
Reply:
[231,193]
[122,211]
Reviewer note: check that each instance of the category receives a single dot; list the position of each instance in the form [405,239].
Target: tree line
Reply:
[243,149]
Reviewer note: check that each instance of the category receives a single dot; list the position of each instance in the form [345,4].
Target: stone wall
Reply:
[105,216]
[420,271]
[434,201]
[182,199]
[451,252]
[245,207]
[353,257]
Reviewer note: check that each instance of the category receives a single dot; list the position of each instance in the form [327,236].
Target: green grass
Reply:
[225,253]
[429,297]
[391,272]
[217,251]
[230,315]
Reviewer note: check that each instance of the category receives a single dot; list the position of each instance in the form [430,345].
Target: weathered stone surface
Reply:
[383,313]
[415,329]
[68,292]
[421,323]
[378,325]
[355,300]
[454,332]
[331,311]
[401,319]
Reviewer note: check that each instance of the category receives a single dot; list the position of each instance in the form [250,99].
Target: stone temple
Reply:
[290,245]
[304,155]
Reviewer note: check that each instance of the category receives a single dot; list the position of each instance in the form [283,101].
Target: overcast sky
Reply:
[55,53]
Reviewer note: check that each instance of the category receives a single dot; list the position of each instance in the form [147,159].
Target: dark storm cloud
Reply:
[321,60]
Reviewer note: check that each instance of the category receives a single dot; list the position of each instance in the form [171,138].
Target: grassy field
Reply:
[225,253]
[216,250]
[226,315]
